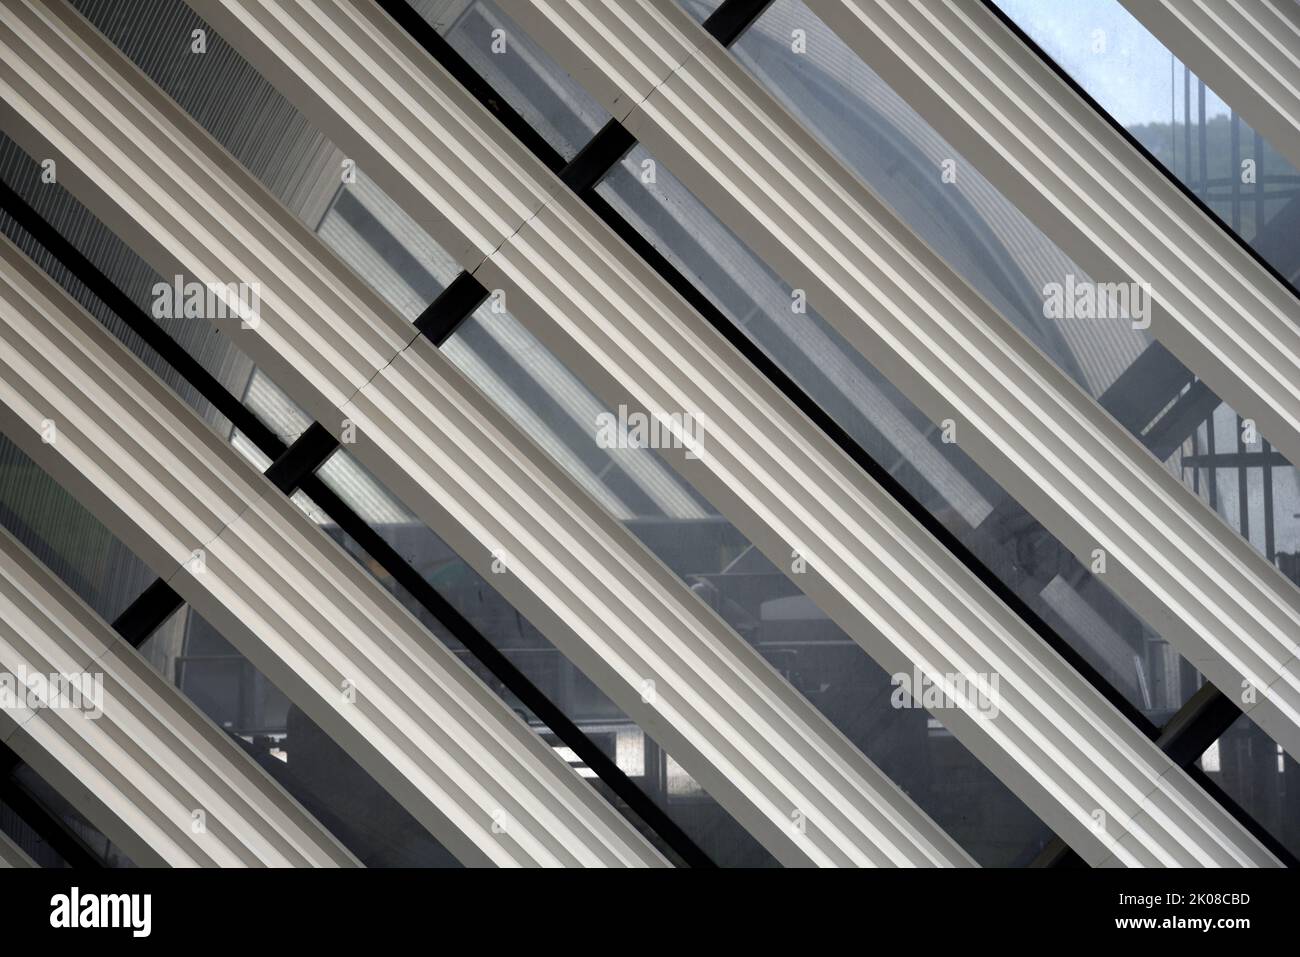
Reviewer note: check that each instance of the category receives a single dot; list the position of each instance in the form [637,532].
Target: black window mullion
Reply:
[442,317]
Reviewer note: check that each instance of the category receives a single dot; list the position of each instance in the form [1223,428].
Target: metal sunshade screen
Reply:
[132,754]
[1201,586]
[291,601]
[658,354]
[435,441]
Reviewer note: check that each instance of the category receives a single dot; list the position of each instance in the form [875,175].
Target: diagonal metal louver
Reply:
[1096,196]
[1084,477]
[1247,50]
[11,855]
[773,475]
[666,659]
[128,751]
[311,619]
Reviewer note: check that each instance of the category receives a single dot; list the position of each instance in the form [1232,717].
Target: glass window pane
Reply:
[227,97]
[700,9]
[384,246]
[761,603]
[408,268]
[289,746]
[1189,130]
[983,236]
[1257,774]
[292,158]
[712,828]
[1014,546]
[519,71]
[208,670]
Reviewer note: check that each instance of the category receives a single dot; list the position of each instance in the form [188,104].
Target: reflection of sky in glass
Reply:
[1139,82]
[1131,73]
